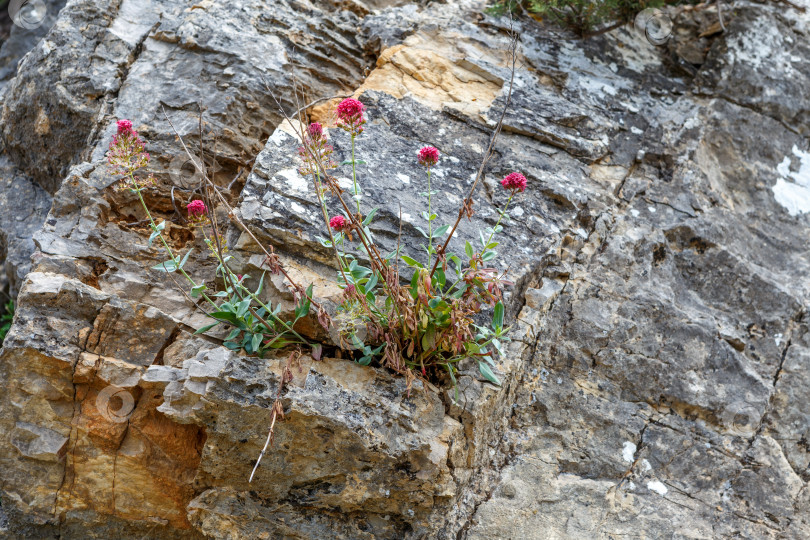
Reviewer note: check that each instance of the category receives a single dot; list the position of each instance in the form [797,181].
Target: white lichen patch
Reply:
[403,178]
[658,487]
[294,180]
[628,452]
[792,190]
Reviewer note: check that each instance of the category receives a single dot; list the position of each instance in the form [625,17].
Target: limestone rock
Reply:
[656,381]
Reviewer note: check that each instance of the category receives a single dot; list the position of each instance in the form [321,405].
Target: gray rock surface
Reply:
[656,386]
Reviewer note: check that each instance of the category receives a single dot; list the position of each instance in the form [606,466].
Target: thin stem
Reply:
[430,222]
[354,177]
[487,155]
[503,213]
[163,240]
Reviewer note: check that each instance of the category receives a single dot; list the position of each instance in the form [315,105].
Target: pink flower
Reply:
[339,223]
[348,108]
[315,130]
[196,210]
[127,154]
[514,181]
[124,126]
[428,156]
[316,151]
[350,116]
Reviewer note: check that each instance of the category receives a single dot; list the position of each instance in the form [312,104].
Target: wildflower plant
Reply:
[256,327]
[426,325]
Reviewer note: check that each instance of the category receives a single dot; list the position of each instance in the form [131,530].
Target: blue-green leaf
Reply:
[411,262]
[168,266]
[469,250]
[185,258]
[486,371]
[370,216]
[206,328]
[440,231]
[497,317]
[198,290]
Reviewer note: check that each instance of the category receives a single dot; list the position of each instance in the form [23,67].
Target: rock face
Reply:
[657,380]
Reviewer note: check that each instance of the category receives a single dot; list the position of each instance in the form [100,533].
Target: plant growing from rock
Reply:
[426,325]
[256,327]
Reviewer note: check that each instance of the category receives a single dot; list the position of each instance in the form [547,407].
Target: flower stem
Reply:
[484,250]
[506,208]
[354,177]
[430,222]
[163,240]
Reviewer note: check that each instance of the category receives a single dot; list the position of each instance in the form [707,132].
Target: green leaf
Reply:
[450,370]
[441,278]
[497,317]
[185,258]
[440,231]
[486,371]
[261,285]
[324,242]
[356,342]
[489,255]
[411,262]
[365,360]
[469,250]
[456,262]
[226,316]
[234,333]
[370,216]
[421,230]
[232,345]
[197,291]
[255,342]
[242,308]
[492,245]
[460,292]
[498,229]
[168,266]
[206,328]
[156,232]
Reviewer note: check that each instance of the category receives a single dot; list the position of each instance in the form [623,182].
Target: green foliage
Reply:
[581,16]
[429,326]
[6,316]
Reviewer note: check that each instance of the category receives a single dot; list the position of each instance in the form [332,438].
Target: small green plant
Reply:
[585,17]
[6,316]
[426,327]
[256,326]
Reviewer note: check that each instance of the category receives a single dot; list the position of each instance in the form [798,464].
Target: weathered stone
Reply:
[655,383]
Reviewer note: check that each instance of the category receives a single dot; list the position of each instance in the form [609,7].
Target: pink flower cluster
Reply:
[428,156]
[514,182]
[350,116]
[316,149]
[196,210]
[127,152]
[339,223]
